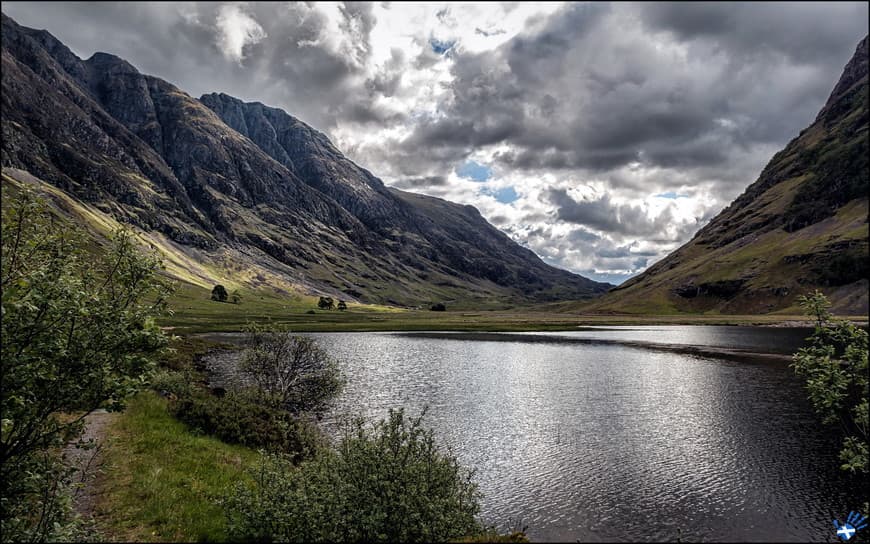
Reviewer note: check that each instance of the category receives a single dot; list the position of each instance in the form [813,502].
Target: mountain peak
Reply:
[107,61]
[854,73]
[248,190]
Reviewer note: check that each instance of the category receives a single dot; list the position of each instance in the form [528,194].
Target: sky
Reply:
[601,136]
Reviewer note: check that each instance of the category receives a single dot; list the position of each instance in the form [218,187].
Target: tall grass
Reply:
[161,482]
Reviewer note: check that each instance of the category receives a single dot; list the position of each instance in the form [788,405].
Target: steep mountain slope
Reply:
[248,191]
[801,225]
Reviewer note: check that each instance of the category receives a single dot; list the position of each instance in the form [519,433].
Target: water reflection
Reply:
[606,442]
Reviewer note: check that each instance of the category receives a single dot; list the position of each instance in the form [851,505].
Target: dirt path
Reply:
[88,462]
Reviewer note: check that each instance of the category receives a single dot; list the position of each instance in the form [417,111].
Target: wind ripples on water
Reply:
[608,442]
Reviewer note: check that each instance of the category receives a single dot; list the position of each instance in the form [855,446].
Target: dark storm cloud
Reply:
[747,29]
[591,90]
[604,215]
[296,65]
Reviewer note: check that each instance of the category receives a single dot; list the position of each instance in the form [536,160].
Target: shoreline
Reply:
[714,352]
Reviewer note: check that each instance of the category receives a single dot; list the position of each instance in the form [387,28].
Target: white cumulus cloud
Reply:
[236,30]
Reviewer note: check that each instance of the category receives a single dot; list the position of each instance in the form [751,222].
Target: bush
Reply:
[78,334]
[219,293]
[240,418]
[835,367]
[389,483]
[439,307]
[326,303]
[293,370]
[176,384]
[236,297]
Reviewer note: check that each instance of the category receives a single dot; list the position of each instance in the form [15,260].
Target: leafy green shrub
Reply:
[835,367]
[178,384]
[78,334]
[242,418]
[292,371]
[389,483]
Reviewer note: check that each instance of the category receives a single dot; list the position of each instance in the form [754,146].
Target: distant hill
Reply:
[801,225]
[245,194]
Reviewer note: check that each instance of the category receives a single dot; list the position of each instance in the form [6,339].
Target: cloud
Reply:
[590,127]
[488,33]
[607,216]
[236,29]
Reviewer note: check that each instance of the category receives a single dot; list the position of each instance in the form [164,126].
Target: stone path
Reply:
[88,462]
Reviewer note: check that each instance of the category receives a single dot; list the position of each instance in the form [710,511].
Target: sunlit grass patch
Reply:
[161,481]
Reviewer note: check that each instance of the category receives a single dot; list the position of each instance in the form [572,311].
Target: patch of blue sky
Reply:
[505,195]
[672,195]
[474,171]
[606,277]
[441,47]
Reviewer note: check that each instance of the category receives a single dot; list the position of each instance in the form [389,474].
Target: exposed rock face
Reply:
[217,172]
[801,225]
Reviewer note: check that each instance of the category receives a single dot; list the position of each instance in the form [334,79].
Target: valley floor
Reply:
[420,320]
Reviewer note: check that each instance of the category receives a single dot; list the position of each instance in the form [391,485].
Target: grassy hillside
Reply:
[802,225]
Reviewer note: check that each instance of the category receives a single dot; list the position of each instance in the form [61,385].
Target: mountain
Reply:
[802,225]
[243,193]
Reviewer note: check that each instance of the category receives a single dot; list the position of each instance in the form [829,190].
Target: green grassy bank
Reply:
[161,482]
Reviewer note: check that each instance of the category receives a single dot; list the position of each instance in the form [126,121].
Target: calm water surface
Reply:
[616,443]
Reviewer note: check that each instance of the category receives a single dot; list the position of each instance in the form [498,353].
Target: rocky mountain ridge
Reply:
[249,186]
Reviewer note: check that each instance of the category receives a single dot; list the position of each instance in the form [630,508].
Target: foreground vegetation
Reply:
[78,335]
[835,368]
[162,481]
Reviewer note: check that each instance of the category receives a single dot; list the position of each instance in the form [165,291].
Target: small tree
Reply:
[219,293]
[78,334]
[342,305]
[292,371]
[438,307]
[835,367]
[326,303]
[236,297]
[388,483]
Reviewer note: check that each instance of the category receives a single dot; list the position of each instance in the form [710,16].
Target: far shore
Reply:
[465,321]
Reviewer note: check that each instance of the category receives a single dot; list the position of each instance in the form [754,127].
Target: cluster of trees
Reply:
[219,294]
[327,303]
[386,482]
[78,334]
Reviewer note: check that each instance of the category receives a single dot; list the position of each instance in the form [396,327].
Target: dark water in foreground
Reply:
[616,443]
